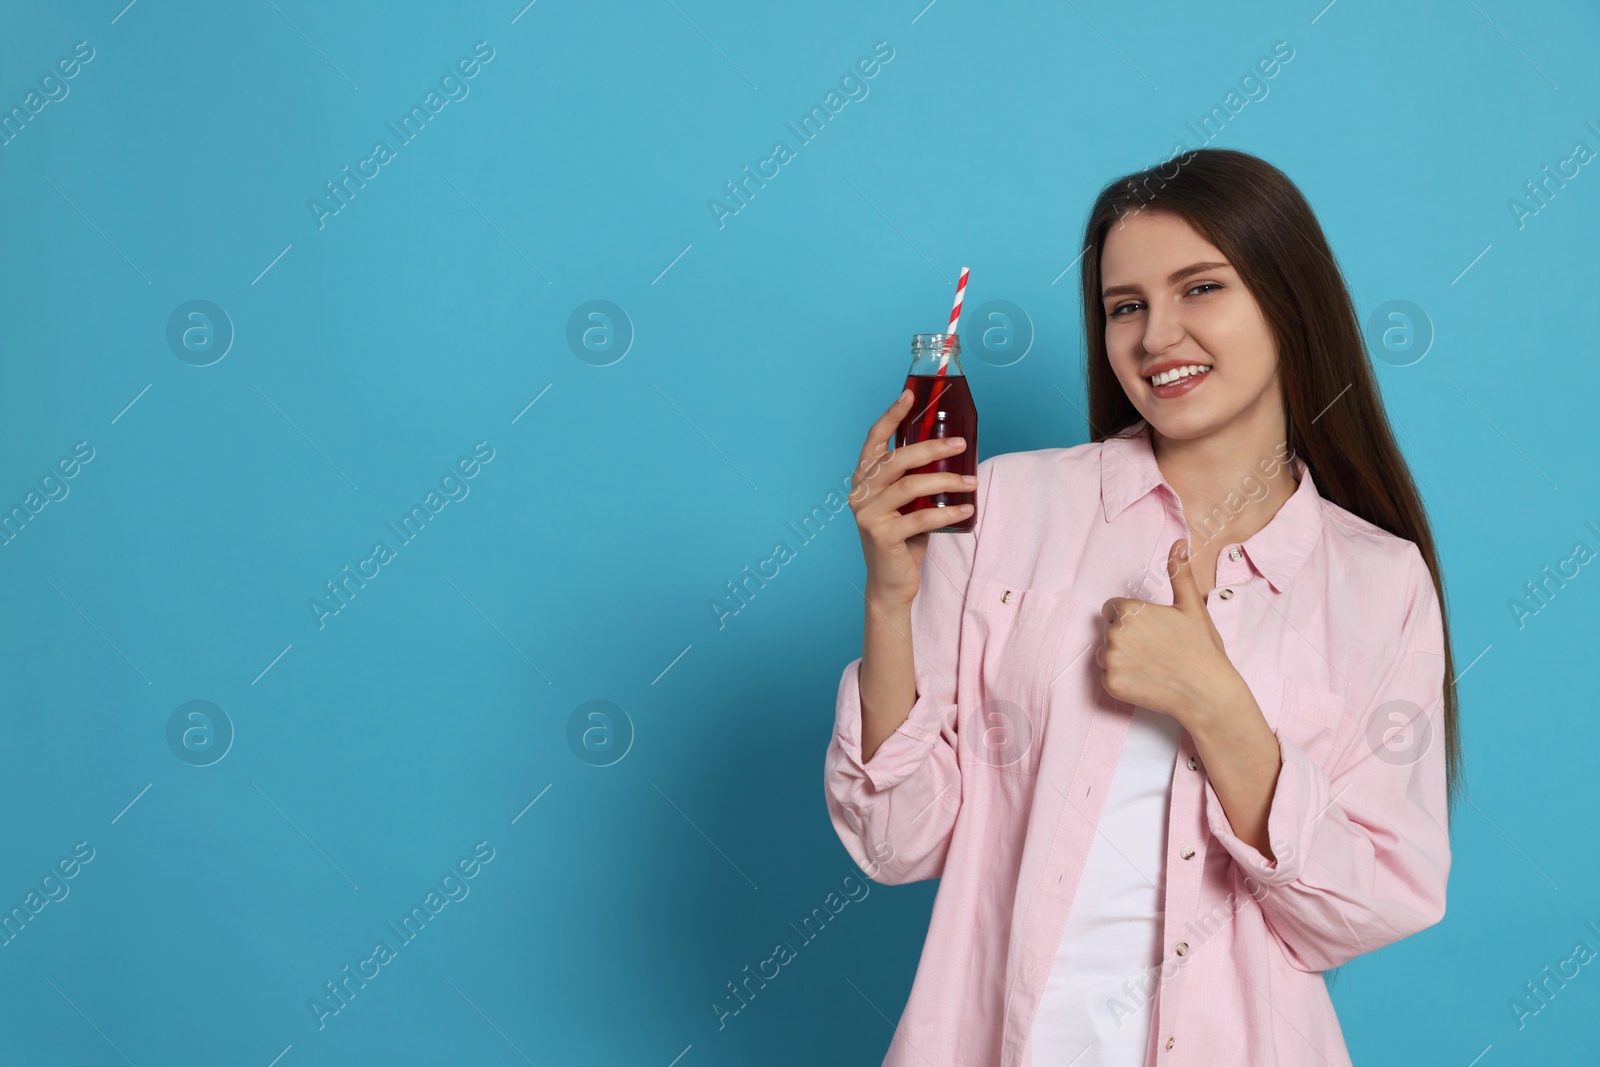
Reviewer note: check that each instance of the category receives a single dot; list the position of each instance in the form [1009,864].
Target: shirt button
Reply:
[1182,949]
[1170,1042]
[1186,852]
[1194,764]
[1005,598]
[1236,555]
[1226,594]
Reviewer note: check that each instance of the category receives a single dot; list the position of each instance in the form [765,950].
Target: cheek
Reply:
[1259,352]
[1122,351]
[1243,343]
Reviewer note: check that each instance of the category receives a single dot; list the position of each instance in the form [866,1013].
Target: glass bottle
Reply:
[941,406]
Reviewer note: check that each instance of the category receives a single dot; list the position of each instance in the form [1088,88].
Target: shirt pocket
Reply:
[1312,718]
[1009,638]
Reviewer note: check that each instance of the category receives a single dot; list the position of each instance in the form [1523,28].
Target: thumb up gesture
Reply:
[1168,659]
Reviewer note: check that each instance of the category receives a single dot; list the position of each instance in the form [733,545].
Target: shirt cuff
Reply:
[1298,799]
[903,751]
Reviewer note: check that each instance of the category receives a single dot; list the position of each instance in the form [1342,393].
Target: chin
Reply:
[1181,425]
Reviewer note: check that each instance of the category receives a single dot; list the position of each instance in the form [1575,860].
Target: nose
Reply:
[1162,327]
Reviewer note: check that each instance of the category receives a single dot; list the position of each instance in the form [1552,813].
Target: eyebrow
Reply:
[1172,279]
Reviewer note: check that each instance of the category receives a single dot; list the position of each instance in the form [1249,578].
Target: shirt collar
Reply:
[1128,471]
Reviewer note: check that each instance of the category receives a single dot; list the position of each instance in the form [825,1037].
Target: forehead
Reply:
[1148,245]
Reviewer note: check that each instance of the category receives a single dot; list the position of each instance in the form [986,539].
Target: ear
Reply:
[1185,593]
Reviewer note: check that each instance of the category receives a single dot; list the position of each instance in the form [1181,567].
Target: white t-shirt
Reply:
[1101,986]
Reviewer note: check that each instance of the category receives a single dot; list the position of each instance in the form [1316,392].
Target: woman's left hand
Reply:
[1170,659]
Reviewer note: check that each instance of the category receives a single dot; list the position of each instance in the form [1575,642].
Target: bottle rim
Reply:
[928,342]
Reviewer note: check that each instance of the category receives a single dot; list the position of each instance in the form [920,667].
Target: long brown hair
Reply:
[1260,221]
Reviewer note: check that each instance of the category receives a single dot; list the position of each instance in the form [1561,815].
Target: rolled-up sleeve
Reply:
[895,812]
[1362,851]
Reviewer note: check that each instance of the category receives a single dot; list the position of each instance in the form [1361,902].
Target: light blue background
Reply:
[432,710]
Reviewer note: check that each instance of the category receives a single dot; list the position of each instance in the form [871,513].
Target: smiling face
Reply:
[1174,304]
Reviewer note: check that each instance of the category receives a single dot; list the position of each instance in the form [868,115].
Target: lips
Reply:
[1181,386]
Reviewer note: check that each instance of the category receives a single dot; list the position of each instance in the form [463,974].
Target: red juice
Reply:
[942,407]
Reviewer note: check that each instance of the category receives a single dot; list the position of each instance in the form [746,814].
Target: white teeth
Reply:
[1177,373]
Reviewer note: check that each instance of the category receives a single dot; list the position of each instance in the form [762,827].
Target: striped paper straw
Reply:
[955,317]
[929,412]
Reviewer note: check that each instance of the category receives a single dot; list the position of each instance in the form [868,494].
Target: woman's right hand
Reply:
[892,543]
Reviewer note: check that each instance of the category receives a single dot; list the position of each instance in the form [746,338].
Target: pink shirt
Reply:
[995,782]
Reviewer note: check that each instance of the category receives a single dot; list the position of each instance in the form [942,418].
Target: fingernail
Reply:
[957,442]
[968,479]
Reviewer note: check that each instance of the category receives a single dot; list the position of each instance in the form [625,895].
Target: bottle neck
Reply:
[933,352]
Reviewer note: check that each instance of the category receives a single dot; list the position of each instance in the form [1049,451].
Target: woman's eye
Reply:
[1134,305]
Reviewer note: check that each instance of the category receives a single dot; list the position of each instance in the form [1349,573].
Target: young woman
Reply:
[1172,726]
